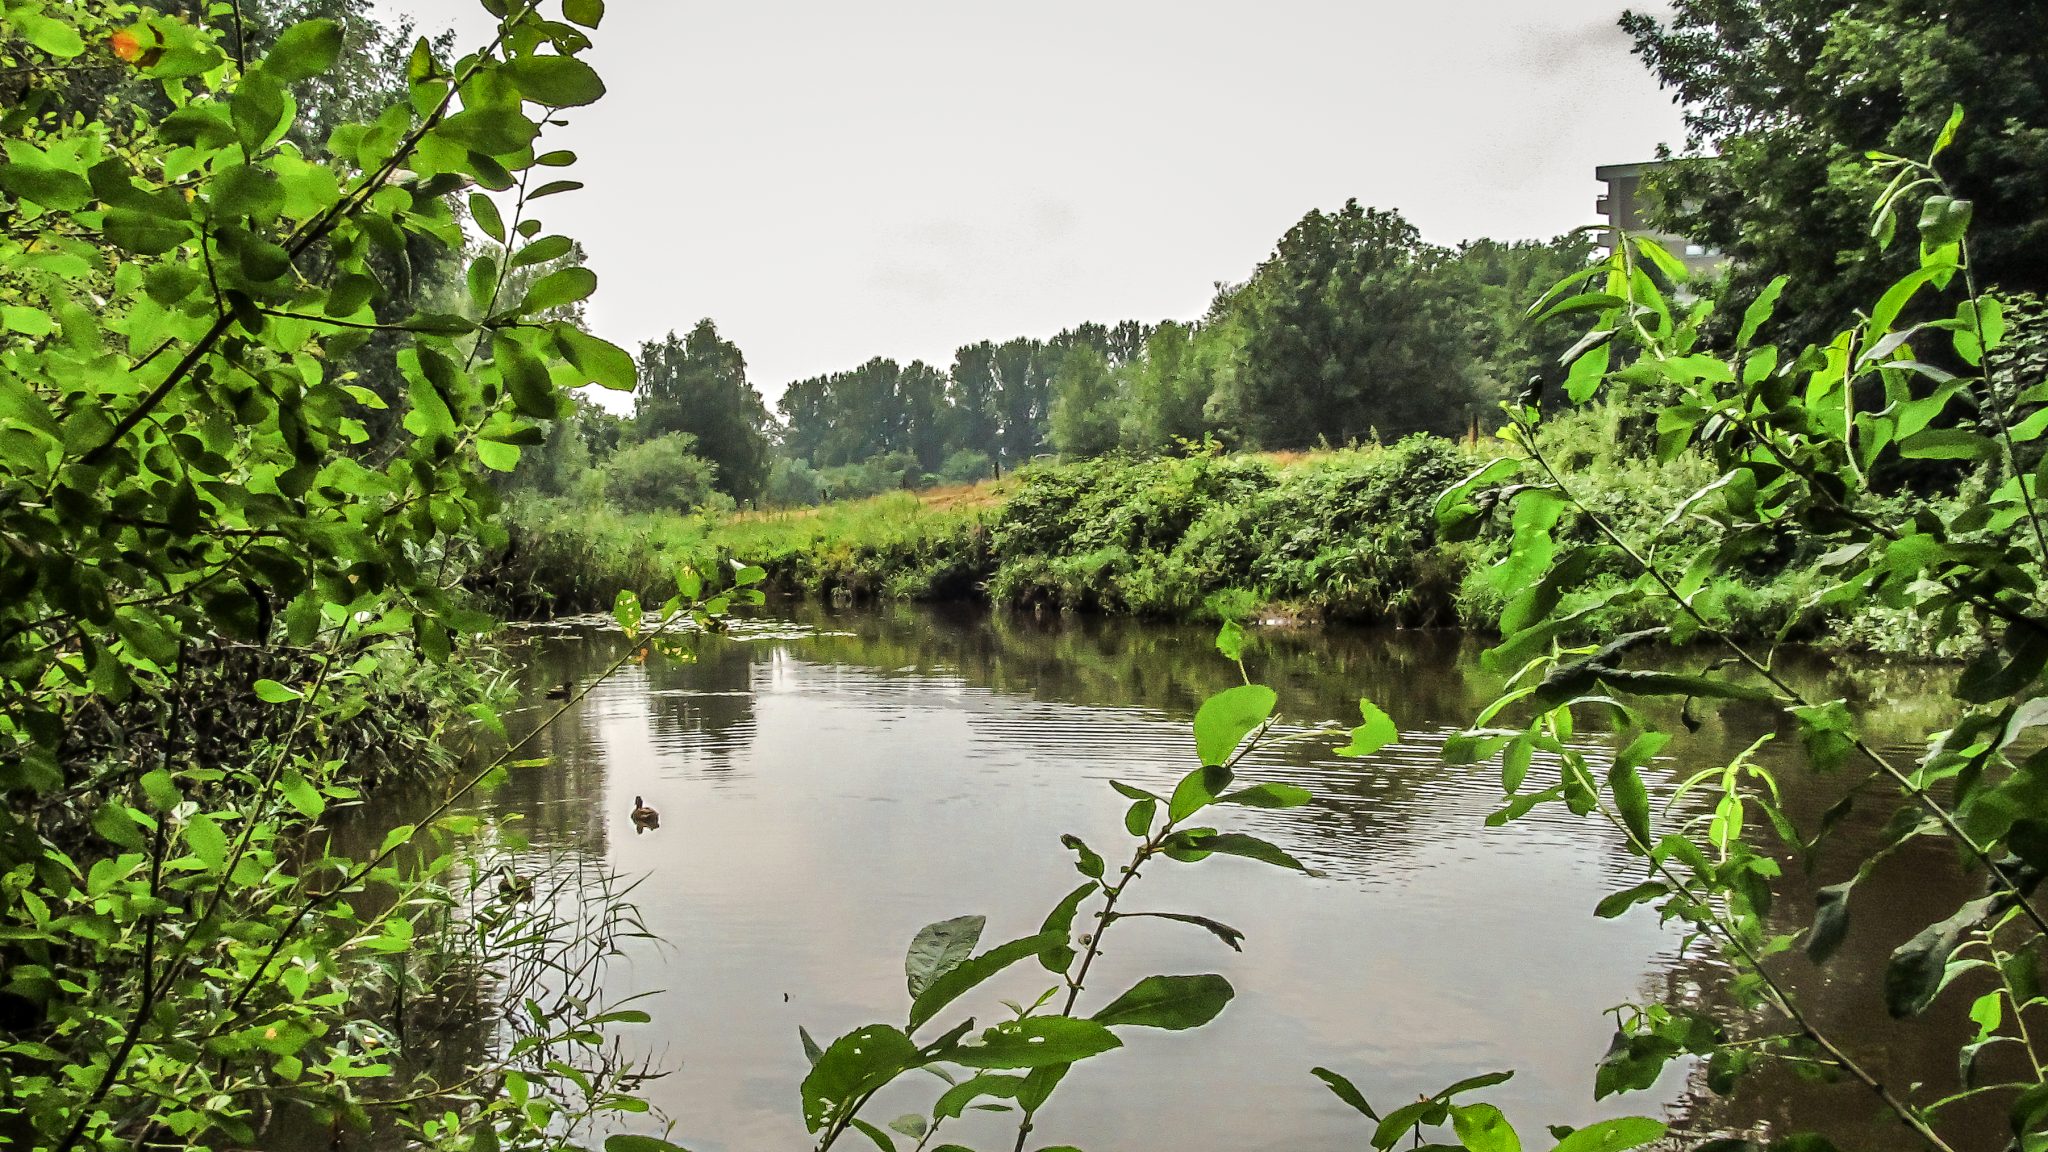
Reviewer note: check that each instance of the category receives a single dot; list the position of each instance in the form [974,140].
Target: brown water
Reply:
[829,784]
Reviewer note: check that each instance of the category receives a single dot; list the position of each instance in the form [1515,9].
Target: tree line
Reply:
[1354,329]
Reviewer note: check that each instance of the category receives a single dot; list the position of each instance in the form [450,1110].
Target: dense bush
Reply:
[659,475]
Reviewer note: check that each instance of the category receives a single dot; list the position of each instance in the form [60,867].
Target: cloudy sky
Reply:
[833,181]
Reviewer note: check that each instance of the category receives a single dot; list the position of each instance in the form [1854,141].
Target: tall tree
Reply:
[1023,373]
[971,389]
[698,384]
[1788,95]
[1351,334]
[1087,404]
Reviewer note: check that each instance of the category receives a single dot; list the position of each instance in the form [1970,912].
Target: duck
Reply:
[561,691]
[513,886]
[643,816]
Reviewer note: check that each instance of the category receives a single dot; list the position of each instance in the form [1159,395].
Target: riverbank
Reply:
[1344,536]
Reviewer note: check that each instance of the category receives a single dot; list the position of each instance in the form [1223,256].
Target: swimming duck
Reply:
[561,691]
[643,816]
[513,886]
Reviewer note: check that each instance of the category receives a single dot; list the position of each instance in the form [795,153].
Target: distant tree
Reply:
[1351,332]
[1023,371]
[927,421]
[1494,281]
[1788,95]
[698,385]
[1169,388]
[1087,405]
[806,417]
[972,390]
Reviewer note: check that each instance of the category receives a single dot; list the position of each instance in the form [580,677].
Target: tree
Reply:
[1087,404]
[1022,369]
[1170,387]
[698,384]
[1494,281]
[1789,96]
[1350,333]
[971,390]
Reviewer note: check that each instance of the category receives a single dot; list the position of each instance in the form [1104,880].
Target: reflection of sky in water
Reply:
[823,796]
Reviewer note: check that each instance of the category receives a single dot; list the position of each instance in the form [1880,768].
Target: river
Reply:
[831,781]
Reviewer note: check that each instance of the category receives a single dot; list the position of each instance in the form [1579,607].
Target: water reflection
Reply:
[826,790]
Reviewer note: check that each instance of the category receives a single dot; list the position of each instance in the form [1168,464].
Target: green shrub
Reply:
[659,475]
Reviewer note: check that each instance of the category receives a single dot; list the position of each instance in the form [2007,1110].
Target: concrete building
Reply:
[1627,214]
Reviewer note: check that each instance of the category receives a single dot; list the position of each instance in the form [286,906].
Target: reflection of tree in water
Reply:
[702,711]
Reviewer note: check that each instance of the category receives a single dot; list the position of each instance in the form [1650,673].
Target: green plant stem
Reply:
[1791,695]
[1781,999]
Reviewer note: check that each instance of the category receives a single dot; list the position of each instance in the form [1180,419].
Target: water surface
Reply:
[830,784]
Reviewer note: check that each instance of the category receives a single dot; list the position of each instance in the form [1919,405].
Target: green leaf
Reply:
[1613,1135]
[1631,798]
[144,233]
[1224,932]
[627,612]
[1035,1042]
[271,692]
[1230,640]
[853,1066]
[1948,133]
[52,35]
[1138,819]
[955,1100]
[162,789]
[58,189]
[1060,923]
[1346,1091]
[1196,844]
[1173,1003]
[1376,733]
[27,321]
[939,948]
[559,289]
[1090,862]
[1482,1128]
[1196,791]
[1614,904]
[118,826]
[605,364]
[624,1142]
[1225,719]
[1913,975]
[1268,796]
[962,978]
[301,794]
[588,13]
[206,841]
[304,50]
[556,81]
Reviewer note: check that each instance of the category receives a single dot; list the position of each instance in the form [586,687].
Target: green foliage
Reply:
[698,385]
[662,474]
[241,467]
[1349,338]
[1804,450]
[1784,99]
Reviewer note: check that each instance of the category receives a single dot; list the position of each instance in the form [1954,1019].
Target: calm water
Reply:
[831,783]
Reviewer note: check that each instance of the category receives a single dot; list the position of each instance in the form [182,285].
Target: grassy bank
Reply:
[1339,536]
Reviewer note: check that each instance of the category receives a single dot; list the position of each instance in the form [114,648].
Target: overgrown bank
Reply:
[1342,536]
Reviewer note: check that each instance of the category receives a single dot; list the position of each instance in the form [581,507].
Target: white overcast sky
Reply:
[833,181]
